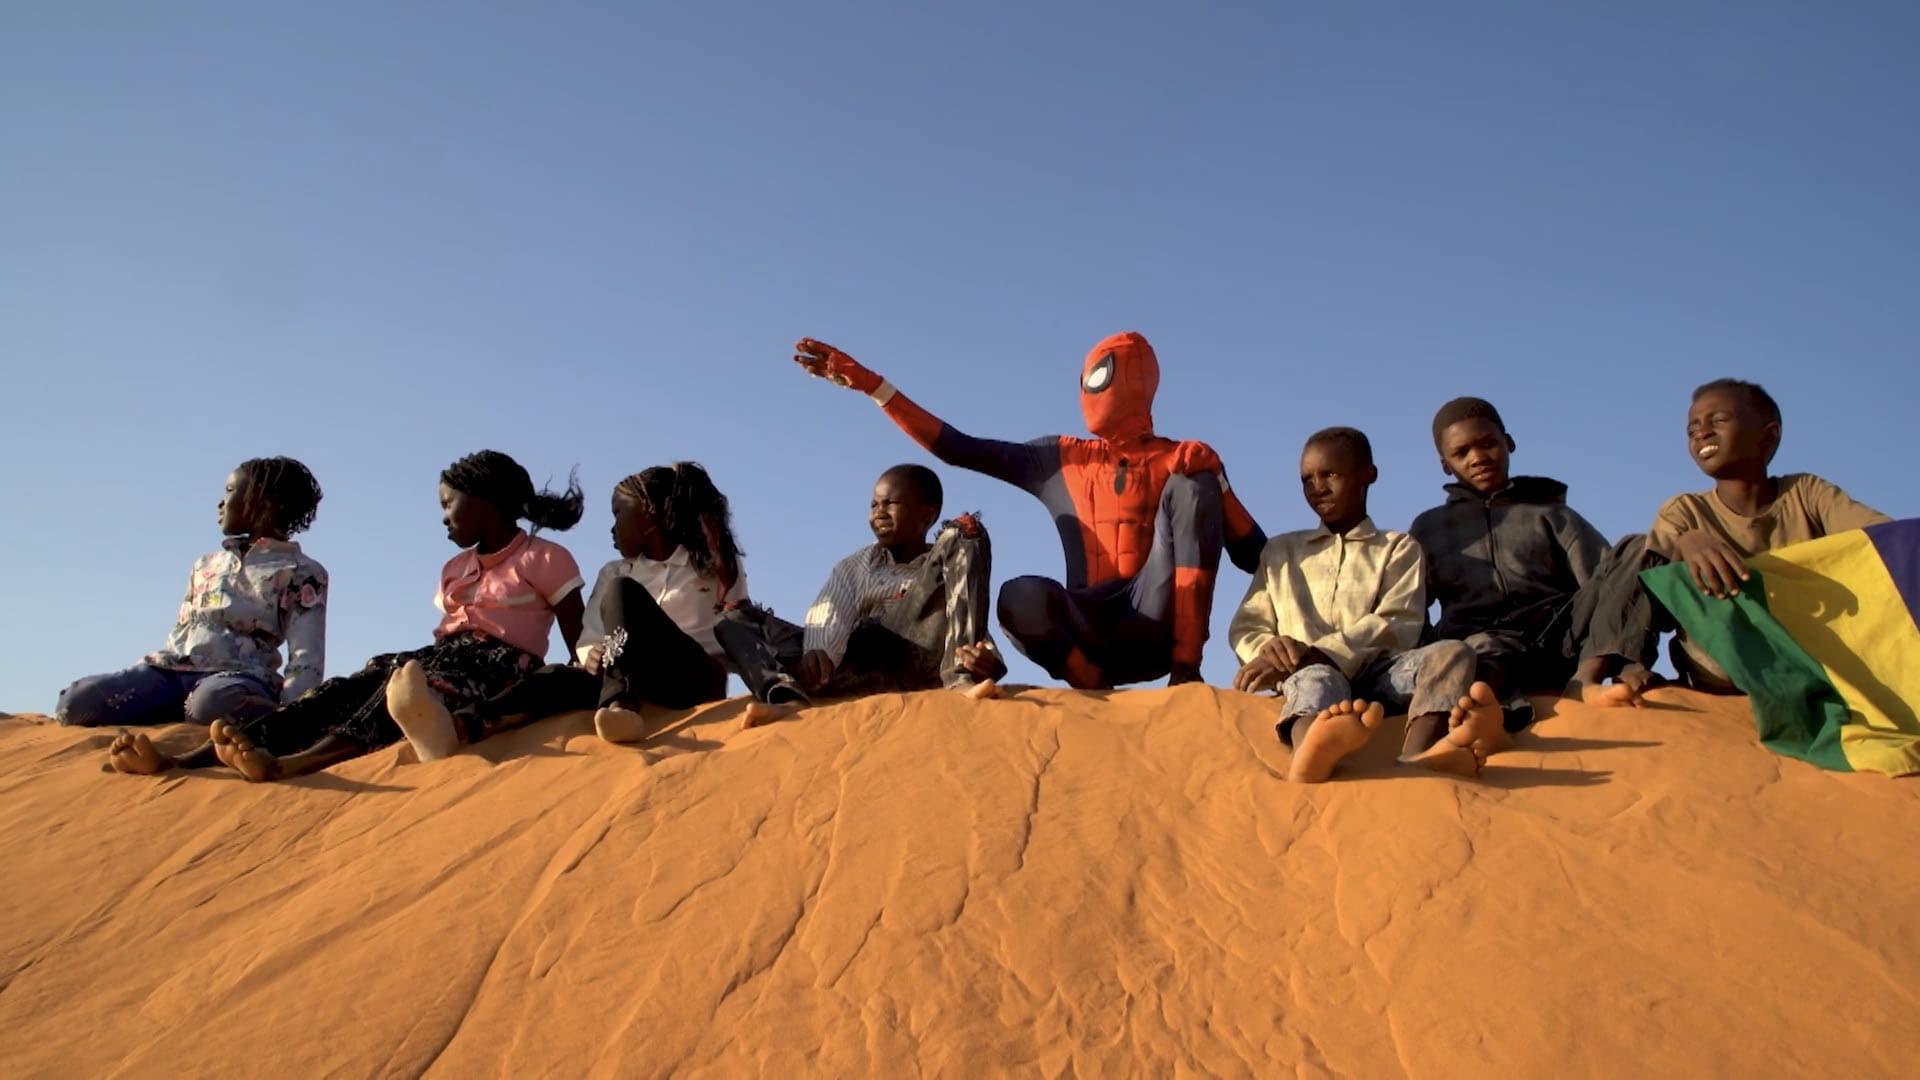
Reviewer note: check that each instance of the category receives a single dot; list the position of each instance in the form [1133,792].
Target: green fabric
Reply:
[1797,709]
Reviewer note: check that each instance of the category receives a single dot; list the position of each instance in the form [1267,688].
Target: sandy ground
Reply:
[1060,882]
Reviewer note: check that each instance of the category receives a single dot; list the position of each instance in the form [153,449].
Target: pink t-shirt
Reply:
[508,595]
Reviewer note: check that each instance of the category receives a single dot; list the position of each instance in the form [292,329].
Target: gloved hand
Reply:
[824,361]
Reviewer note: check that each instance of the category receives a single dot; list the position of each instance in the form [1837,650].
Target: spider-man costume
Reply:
[1142,520]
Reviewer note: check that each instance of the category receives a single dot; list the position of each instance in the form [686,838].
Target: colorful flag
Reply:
[1823,639]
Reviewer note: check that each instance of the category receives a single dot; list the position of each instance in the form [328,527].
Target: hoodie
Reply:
[1506,563]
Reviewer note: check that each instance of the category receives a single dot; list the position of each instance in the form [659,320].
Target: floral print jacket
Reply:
[242,602]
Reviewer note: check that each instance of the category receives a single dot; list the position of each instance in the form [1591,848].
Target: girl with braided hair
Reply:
[243,602]
[649,625]
[499,599]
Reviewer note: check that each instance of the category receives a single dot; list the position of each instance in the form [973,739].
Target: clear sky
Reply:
[380,236]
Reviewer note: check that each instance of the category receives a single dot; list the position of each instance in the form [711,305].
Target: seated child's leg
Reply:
[1504,662]
[1617,625]
[1309,692]
[142,694]
[945,608]
[747,639]
[230,695]
[1429,682]
[649,658]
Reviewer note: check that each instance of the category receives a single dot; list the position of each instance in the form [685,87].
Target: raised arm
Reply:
[1020,464]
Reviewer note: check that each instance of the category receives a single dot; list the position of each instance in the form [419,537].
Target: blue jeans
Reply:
[144,694]
[1419,682]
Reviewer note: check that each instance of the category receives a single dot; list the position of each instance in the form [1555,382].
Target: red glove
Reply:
[823,360]
[1191,458]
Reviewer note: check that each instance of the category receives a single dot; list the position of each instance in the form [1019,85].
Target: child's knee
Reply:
[82,702]
[226,697]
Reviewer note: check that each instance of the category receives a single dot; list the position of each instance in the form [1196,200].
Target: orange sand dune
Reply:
[1059,882]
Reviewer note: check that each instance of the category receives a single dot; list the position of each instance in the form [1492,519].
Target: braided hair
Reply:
[497,478]
[286,488]
[691,512]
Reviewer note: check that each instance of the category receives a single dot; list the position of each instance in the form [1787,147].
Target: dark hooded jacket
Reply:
[1507,563]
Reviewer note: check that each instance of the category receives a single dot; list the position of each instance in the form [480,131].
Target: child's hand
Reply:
[1716,566]
[981,660]
[816,668]
[1258,674]
[596,657]
[826,362]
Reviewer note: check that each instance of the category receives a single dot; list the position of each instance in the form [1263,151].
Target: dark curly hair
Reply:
[1465,408]
[497,478]
[291,494]
[691,512]
[1352,440]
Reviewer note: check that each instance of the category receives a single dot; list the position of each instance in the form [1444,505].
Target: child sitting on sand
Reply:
[500,597]
[650,624]
[258,592]
[1505,557]
[898,615]
[1733,432]
[1335,613]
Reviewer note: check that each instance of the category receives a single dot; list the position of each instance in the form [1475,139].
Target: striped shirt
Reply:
[1355,597]
[860,587]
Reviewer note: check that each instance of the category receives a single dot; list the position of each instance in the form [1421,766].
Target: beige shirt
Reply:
[1807,508]
[1354,597]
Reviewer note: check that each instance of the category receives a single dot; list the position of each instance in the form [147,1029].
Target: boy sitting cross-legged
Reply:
[1335,613]
[900,614]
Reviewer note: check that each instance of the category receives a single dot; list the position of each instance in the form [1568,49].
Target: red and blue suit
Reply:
[1143,520]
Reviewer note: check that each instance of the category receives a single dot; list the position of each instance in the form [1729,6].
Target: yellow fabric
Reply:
[1835,597]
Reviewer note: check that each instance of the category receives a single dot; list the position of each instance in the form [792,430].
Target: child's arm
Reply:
[1583,544]
[1255,623]
[1397,617]
[1717,566]
[830,620]
[570,613]
[592,632]
[306,637]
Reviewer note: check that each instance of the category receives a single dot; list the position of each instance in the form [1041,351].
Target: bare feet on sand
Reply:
[1335,733]
[222,734]
[420,713]
[134,754]
[1456,754]
[237,752]
[1478,719]
[984,690]
[619,724]
[760,714]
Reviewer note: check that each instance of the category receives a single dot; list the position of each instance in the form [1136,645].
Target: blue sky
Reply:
[378,237]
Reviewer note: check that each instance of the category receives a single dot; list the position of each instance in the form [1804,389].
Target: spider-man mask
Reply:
[1117,384]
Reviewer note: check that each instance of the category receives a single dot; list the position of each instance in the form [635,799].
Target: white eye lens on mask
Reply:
[1100,376]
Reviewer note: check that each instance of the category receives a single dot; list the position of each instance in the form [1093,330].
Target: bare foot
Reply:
[420,714]
[619,724]
[134,754]
[249,760]
[759,714]
[1478,719]
[222,734]
[1335,733]
[1451,758]
[984,690]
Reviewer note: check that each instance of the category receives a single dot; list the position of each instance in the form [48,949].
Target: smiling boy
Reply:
[900,614]
[1332,619]
[1733,432]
